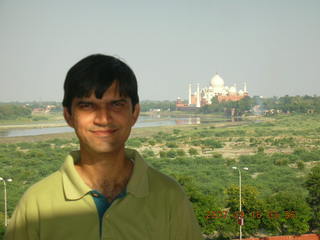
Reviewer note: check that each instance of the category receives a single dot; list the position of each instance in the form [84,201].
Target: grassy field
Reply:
[279,152]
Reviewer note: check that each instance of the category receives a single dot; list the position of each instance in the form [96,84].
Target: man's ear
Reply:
[67,117]
[136,113]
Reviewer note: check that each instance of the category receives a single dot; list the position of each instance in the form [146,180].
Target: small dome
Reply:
[217,81]
[241,92]
[232,90]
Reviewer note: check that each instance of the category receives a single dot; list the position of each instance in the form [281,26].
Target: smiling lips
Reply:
[104,133]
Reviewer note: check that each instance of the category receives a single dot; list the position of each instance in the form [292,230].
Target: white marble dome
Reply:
[232,90]
[217,81]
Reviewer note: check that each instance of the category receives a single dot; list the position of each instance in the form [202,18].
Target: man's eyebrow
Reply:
[84,101]
[120,100]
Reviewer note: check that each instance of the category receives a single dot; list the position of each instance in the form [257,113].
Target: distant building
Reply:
[217,89]
[154,110]
[47,109]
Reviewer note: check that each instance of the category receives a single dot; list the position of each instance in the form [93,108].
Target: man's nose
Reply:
[103,116]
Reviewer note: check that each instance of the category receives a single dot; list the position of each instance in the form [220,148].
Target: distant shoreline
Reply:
[32,125]
[135,132]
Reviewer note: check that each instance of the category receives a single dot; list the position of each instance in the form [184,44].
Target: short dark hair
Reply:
[96,73]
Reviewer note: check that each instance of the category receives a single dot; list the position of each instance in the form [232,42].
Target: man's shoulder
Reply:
[44,187]
[158,182]
[163,183]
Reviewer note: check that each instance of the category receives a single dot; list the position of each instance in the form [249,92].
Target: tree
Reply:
[252,207]
[245,104]
[2,227]
[313,186]
[287,213]
[14,111]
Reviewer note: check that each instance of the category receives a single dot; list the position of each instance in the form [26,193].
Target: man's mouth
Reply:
[106,132]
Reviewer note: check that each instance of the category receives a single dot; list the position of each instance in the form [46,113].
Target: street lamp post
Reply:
[5,199]
[240,208]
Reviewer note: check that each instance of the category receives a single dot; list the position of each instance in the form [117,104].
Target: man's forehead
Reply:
[105,97]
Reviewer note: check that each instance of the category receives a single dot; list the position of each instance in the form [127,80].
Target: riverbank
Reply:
[136,132]
[32,125]
[56,120]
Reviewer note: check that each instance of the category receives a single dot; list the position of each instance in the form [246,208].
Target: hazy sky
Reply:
[273,45]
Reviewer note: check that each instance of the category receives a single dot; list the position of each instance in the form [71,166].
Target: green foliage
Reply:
[301,165]
[152,142]
[147,153]
[163,154]
[161,136]
[230,162]
[313,186]
[177,131]
[2,227]
[39,118]
[250,204]
[288,213]
[171,145]
[242,106]
[260,149]
[171,154]
[212,143]
[134,142]
[281,161]
[193,151]
[163,105]
[307,156]
[284,142]
[14,111]
[180,152]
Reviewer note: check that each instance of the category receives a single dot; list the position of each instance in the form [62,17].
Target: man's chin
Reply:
[106,150]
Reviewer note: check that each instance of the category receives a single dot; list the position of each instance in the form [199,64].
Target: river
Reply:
[143,121]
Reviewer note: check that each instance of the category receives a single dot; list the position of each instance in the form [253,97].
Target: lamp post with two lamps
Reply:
[5,199]
[240,209]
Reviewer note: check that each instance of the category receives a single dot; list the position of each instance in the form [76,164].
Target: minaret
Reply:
[245,87]
[189,94]
[198,95]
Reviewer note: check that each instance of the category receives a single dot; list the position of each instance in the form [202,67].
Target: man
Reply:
[103,191]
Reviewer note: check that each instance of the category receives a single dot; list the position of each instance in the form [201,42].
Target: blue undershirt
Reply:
[103,204]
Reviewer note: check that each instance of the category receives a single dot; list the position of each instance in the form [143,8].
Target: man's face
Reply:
[102,125]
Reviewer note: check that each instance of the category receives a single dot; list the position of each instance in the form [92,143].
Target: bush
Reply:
[212,143]
[181,153]
[230,162]
[176,131]
[193,151]
[171,145]
[171,154]
[281,162]
[147,153]
[300,165]
[39,118]
[163,154]
[217,155]
[134,142]
[260,149]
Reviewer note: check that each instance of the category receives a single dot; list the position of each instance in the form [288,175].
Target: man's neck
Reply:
[108,173]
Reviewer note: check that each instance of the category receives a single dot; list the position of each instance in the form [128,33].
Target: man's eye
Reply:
[85,105]
[118,105]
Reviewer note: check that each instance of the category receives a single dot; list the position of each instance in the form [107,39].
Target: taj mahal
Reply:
[216,89]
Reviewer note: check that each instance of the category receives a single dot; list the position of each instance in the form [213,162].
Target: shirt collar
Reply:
[75,188]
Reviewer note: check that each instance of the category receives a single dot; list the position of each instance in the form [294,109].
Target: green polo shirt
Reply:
[61,207]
